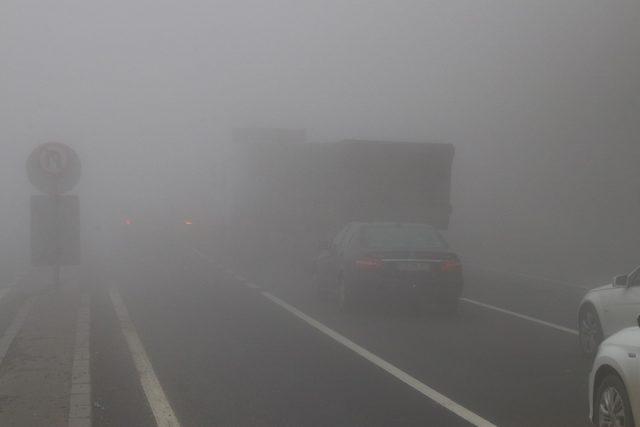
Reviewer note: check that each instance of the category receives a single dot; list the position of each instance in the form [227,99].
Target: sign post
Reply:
[54,169]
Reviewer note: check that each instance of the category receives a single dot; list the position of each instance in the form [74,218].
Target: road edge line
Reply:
[521,316]
[399,374]
[156,397]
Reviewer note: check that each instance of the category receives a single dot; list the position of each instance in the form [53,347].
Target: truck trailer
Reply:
[286,195]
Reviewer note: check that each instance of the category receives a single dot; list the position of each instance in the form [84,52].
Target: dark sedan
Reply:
[389,260]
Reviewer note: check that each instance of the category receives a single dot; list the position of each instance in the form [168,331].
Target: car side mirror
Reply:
[622,281]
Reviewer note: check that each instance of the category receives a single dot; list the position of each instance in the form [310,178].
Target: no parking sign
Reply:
[54,168]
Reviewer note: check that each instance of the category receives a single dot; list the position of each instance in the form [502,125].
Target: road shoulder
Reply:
[36,372]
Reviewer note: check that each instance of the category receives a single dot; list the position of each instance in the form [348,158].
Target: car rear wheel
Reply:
[589,331]
[612,408]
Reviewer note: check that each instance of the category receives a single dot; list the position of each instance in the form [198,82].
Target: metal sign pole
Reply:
[56,267]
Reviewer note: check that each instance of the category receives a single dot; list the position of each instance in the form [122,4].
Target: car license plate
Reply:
[414,266]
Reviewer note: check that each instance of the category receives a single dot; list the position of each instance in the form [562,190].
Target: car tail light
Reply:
[451,265]
[369,263]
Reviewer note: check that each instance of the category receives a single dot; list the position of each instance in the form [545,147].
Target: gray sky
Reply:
[463,70]
[134,83]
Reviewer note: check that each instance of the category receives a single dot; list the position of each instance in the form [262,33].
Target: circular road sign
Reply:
[54,168]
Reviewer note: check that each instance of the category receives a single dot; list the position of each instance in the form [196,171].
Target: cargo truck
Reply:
[283,196]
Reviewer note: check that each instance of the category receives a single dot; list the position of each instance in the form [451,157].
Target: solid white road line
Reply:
[80,396]
[14,328]
[383,364]
[396,372]
[521,316]
[160,406]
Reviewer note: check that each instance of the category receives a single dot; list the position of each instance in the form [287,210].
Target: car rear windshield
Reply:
[402,236]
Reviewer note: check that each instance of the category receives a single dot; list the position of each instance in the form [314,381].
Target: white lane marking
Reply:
[160,406]
[521,316]
[14,328]
[383,364]
[533,277]
[80,397]
[481,304]
[406,378]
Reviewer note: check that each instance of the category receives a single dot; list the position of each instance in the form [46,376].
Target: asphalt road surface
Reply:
[183,336]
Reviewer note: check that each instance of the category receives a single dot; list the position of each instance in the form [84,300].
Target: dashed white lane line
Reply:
[383,364]
[80,396]
[14,328]
[160,406]
[521,316]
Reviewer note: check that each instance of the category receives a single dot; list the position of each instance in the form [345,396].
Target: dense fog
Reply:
[541,100]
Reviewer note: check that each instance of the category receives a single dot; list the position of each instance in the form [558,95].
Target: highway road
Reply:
[185,336]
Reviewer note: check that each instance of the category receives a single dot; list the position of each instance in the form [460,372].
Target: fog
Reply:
[319,212]
[541,100]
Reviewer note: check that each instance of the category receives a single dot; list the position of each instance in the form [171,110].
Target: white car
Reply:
[614,381]
[608,309]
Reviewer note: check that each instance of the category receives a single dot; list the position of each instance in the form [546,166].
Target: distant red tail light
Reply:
[451,265]
[369,263]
